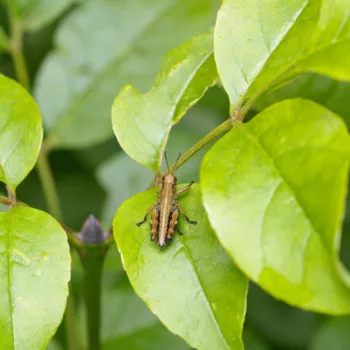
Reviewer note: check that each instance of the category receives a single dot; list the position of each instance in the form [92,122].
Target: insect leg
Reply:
[148,211]
[185,188]
[172,224]
[186,217]
[155,222]
[178,230]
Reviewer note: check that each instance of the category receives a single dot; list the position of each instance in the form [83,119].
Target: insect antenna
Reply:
[166,159]
[178,157]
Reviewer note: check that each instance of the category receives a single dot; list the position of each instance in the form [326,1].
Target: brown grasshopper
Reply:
[165,216]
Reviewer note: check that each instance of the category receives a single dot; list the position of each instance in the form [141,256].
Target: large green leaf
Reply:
[142,123]
[35,14]
[330,93]
[102,46]
[20,132]
[274,190]
[258,44]
[191,285]
[34,272]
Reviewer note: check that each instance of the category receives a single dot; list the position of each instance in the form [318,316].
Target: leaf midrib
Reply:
[255,139]
[172,111]
[196,273]
[271,52]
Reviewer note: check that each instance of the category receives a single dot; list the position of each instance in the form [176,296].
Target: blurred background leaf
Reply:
[79,80]
[34,14]
[252,341]
[122,177]
[129,324]
[333,334]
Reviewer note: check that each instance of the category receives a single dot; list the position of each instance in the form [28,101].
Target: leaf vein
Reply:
[255,139]
[190,258]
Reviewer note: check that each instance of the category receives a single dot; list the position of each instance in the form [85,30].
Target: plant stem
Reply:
[6,200]
[48,184]
[92,258]
[69,323]
[219,130]
[44,170]
[16,48]
[51,196]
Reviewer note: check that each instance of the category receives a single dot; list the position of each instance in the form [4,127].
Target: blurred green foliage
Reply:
[97,179]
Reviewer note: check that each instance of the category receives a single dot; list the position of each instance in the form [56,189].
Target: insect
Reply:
[166,210]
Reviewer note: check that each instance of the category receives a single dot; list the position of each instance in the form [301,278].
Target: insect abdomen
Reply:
[166,204]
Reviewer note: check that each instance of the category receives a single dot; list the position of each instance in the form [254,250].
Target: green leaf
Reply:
[265,314]
[34,274]
[333,334]
[142,123]
[259,44]
[274,190]
[120,329]
[252,341]
[122,178]
[325,91]
[191,285]
[80,193]
[55,345]
[156,337]
[35,14]
[20,132]
[141,333]
[118,42]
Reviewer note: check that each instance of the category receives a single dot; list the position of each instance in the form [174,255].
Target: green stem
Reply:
[48,184]
[9,201]
[52,199]
[43,166]
[92,258]
[16,48]
[6,200]
[221,129]
[69,323]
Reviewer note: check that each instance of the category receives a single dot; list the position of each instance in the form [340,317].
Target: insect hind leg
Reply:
[172,223]
[155,223]
[178,230]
